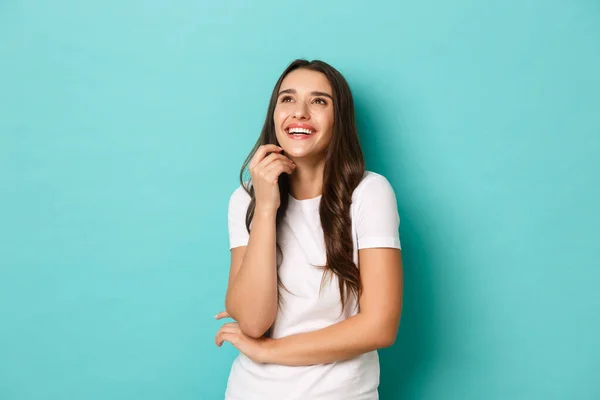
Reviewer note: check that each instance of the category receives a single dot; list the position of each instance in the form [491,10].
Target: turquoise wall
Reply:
[122,128]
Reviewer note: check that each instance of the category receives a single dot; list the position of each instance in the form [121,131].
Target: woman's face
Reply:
[303,115]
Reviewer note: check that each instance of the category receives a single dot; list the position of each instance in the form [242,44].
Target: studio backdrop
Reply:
[123,125]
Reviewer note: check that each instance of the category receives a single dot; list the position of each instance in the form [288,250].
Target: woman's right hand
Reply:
[265,170]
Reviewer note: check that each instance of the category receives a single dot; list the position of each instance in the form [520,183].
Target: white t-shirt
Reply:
[375,223]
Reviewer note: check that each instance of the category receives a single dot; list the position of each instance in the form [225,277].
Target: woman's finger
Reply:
[261,152]
[222,314]
[219,336]
[272,174]
[230,326]
[270,159]
[227,336]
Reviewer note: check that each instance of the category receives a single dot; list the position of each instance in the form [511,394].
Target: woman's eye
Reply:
[320,101]
[286,99]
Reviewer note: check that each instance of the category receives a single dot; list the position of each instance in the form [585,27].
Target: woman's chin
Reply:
[301,149]
[295,152]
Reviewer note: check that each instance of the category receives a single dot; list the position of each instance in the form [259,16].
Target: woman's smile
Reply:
[300,131]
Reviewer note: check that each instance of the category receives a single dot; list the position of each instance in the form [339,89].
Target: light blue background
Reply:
[123,125]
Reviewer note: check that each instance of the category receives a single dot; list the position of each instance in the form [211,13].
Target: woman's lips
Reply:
[300,131]
[301,125]
[300,136]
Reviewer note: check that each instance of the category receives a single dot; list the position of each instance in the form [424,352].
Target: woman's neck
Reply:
[307,180]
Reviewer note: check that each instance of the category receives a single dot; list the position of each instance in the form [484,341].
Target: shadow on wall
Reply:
[404,366]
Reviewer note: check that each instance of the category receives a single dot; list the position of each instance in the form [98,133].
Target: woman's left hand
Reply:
[254,349]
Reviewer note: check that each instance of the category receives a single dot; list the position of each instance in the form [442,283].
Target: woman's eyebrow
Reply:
[290,91]
[322,94]
[315,93]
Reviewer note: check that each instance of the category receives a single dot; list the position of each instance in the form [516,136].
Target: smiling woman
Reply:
[303,113]
[315,281]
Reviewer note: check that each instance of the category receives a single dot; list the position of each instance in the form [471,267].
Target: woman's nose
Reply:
[301,111]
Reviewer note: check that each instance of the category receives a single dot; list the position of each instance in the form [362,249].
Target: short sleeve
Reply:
[238,205]
[377,218]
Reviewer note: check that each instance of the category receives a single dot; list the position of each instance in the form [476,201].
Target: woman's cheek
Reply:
[279,116]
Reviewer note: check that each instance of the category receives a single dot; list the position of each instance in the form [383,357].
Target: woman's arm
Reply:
[374,327]
[252,290]
[251,297]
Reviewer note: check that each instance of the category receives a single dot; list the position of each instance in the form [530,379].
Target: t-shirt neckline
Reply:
[312,203]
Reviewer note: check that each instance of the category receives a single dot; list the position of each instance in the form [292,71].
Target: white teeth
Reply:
[300,130]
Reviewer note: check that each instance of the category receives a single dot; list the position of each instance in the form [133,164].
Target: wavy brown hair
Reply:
[344,169]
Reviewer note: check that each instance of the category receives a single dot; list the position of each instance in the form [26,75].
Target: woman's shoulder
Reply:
[239,196]
[372,184]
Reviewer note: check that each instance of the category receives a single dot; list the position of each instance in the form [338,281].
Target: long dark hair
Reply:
[344,169]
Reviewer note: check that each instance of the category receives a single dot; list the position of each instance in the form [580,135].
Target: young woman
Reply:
[315,282]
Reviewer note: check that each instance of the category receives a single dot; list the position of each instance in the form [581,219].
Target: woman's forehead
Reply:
[305,80]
